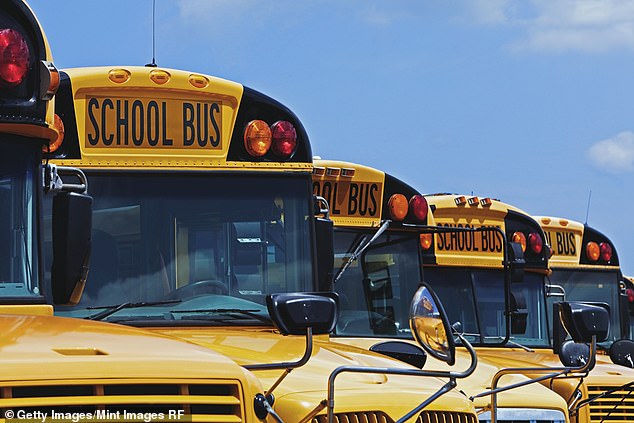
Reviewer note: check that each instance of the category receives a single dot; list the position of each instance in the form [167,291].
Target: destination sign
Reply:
[351,199]
[121,122]
[562,243]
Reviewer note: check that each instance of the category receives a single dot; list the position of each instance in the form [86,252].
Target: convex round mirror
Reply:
[430,326]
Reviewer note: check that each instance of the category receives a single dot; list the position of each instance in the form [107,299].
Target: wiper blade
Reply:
[115,308]
[360,249]
[515,344]
[249,313]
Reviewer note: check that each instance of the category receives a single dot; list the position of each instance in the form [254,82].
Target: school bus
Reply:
[381,229]
[585,266]
[515,332]
[202,209]
[60,369]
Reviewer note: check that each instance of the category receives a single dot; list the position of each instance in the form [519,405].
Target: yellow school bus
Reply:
[585,267]
[514,333]
[203,209]
[381,230]
[59,369]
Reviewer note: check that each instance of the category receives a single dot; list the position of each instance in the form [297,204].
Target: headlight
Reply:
[524,414]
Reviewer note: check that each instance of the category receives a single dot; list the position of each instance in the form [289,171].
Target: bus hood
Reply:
[46,347]
[257,345]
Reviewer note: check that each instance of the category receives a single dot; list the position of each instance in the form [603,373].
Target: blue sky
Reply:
[527,101]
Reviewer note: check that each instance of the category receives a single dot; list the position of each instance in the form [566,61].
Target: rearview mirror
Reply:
[516,261]
[622,353]
[585,320]
[295,313]
[72,222]
[402,351]
[430,326]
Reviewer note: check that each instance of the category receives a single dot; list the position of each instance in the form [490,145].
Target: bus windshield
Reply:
[475,298]
[19,166]
[593,286]
[389,272]
[189,246]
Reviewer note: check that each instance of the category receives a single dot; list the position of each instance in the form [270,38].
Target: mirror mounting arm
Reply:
[553,372]
[287,366]
[452,376]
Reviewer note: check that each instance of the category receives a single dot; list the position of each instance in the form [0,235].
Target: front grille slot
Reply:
[356,417]
[207,402]
[445,417]
[615,407]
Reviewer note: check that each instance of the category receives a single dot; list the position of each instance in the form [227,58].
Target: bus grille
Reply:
[614,407]
[207,402]
[356,417]
[445,417]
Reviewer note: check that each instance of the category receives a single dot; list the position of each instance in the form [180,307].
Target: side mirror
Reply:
[402,351]
[516,261]
[585,320]
[295,313]
[430,325]
[622,353]
[519,313]
[72,222]
[574,354]
[324,238]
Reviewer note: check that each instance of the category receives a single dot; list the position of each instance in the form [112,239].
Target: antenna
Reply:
[153,64]
[588,209]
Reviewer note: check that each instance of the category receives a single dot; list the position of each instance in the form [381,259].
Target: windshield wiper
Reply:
[509,341]
[360,249]
[245,312]
[115,308]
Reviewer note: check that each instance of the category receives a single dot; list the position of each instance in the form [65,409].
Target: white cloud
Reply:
[561,25]
[614,154]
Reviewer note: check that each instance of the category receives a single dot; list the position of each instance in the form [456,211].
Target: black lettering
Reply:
[316,190]
[374,189]
[573,245]
[152,121]
[499,241]
[560,243]
[441,240]
[202,136]
[166,141]
[352,199]
[363,199]
[453,238]
[215,139]
[188,124]
[93,139]
[485,241]
[122,122]
[335,210]
[106,138]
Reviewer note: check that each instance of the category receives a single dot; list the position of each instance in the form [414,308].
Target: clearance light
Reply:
[460,200]
[425,241]
[257,138]
[198,81]
[50,80]
[319,171]
[536,243]
[606,251]
[347,172]
[159,76]
[486,202]
[473,201]
[59,126]
[14,57]
[563,222]
[284,139]
[546,220]
[520,238]
[333,171]
[593,251]
[119,76]
[397,204]
[418,206]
